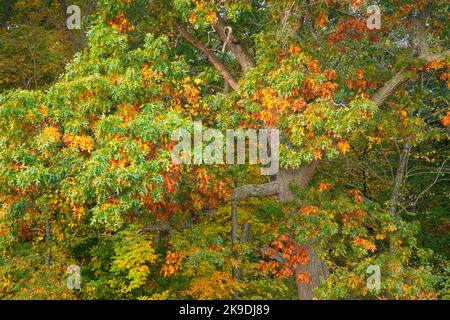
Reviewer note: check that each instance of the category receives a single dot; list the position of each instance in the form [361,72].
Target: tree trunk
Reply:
[399,177]
[234,240]
[299,178]
[77,44]
[316,269]
[48,234]
[280,187]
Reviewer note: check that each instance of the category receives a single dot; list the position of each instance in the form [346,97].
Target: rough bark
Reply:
[280,187]
[389,87]
[256,190]
[298,178]
[236,272]
[234,240]
[316,269]
[234,225]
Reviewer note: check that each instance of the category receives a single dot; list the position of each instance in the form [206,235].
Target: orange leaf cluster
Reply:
[357,3]
[446,120]
[173,263]
[435,65]
[352,29]
[286,256]
[357,194]
[324,186]
[51,133]
[304,277]
[121,23]
[219,285]
[211,17]
[343,147]
[294,49]
[83,142]
[354,216]
[273,105]
[309,210]
[365,244]
[78,211]
[322,20]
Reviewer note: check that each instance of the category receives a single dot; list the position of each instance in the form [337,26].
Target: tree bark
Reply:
[399,177]
[256,190]
[299,178]
[237,271]
[280,187]
[285,178]
[316,269]
[241,54]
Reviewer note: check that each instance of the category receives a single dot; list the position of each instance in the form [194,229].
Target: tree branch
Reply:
[382,94]
[241,54]
[256,190]
[433,183]
[389,87]
[211,57]
[401,76]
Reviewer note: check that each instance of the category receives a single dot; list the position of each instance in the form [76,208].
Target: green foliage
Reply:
[86,176]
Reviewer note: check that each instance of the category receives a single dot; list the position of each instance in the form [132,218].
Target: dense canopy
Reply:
[87,122]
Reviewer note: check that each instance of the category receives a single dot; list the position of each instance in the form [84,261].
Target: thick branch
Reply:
[211,57]
[429,57]
[241,54]
[424,53]
[158,226]
[256,190]
[389,87]
[401,76]
[279,187]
